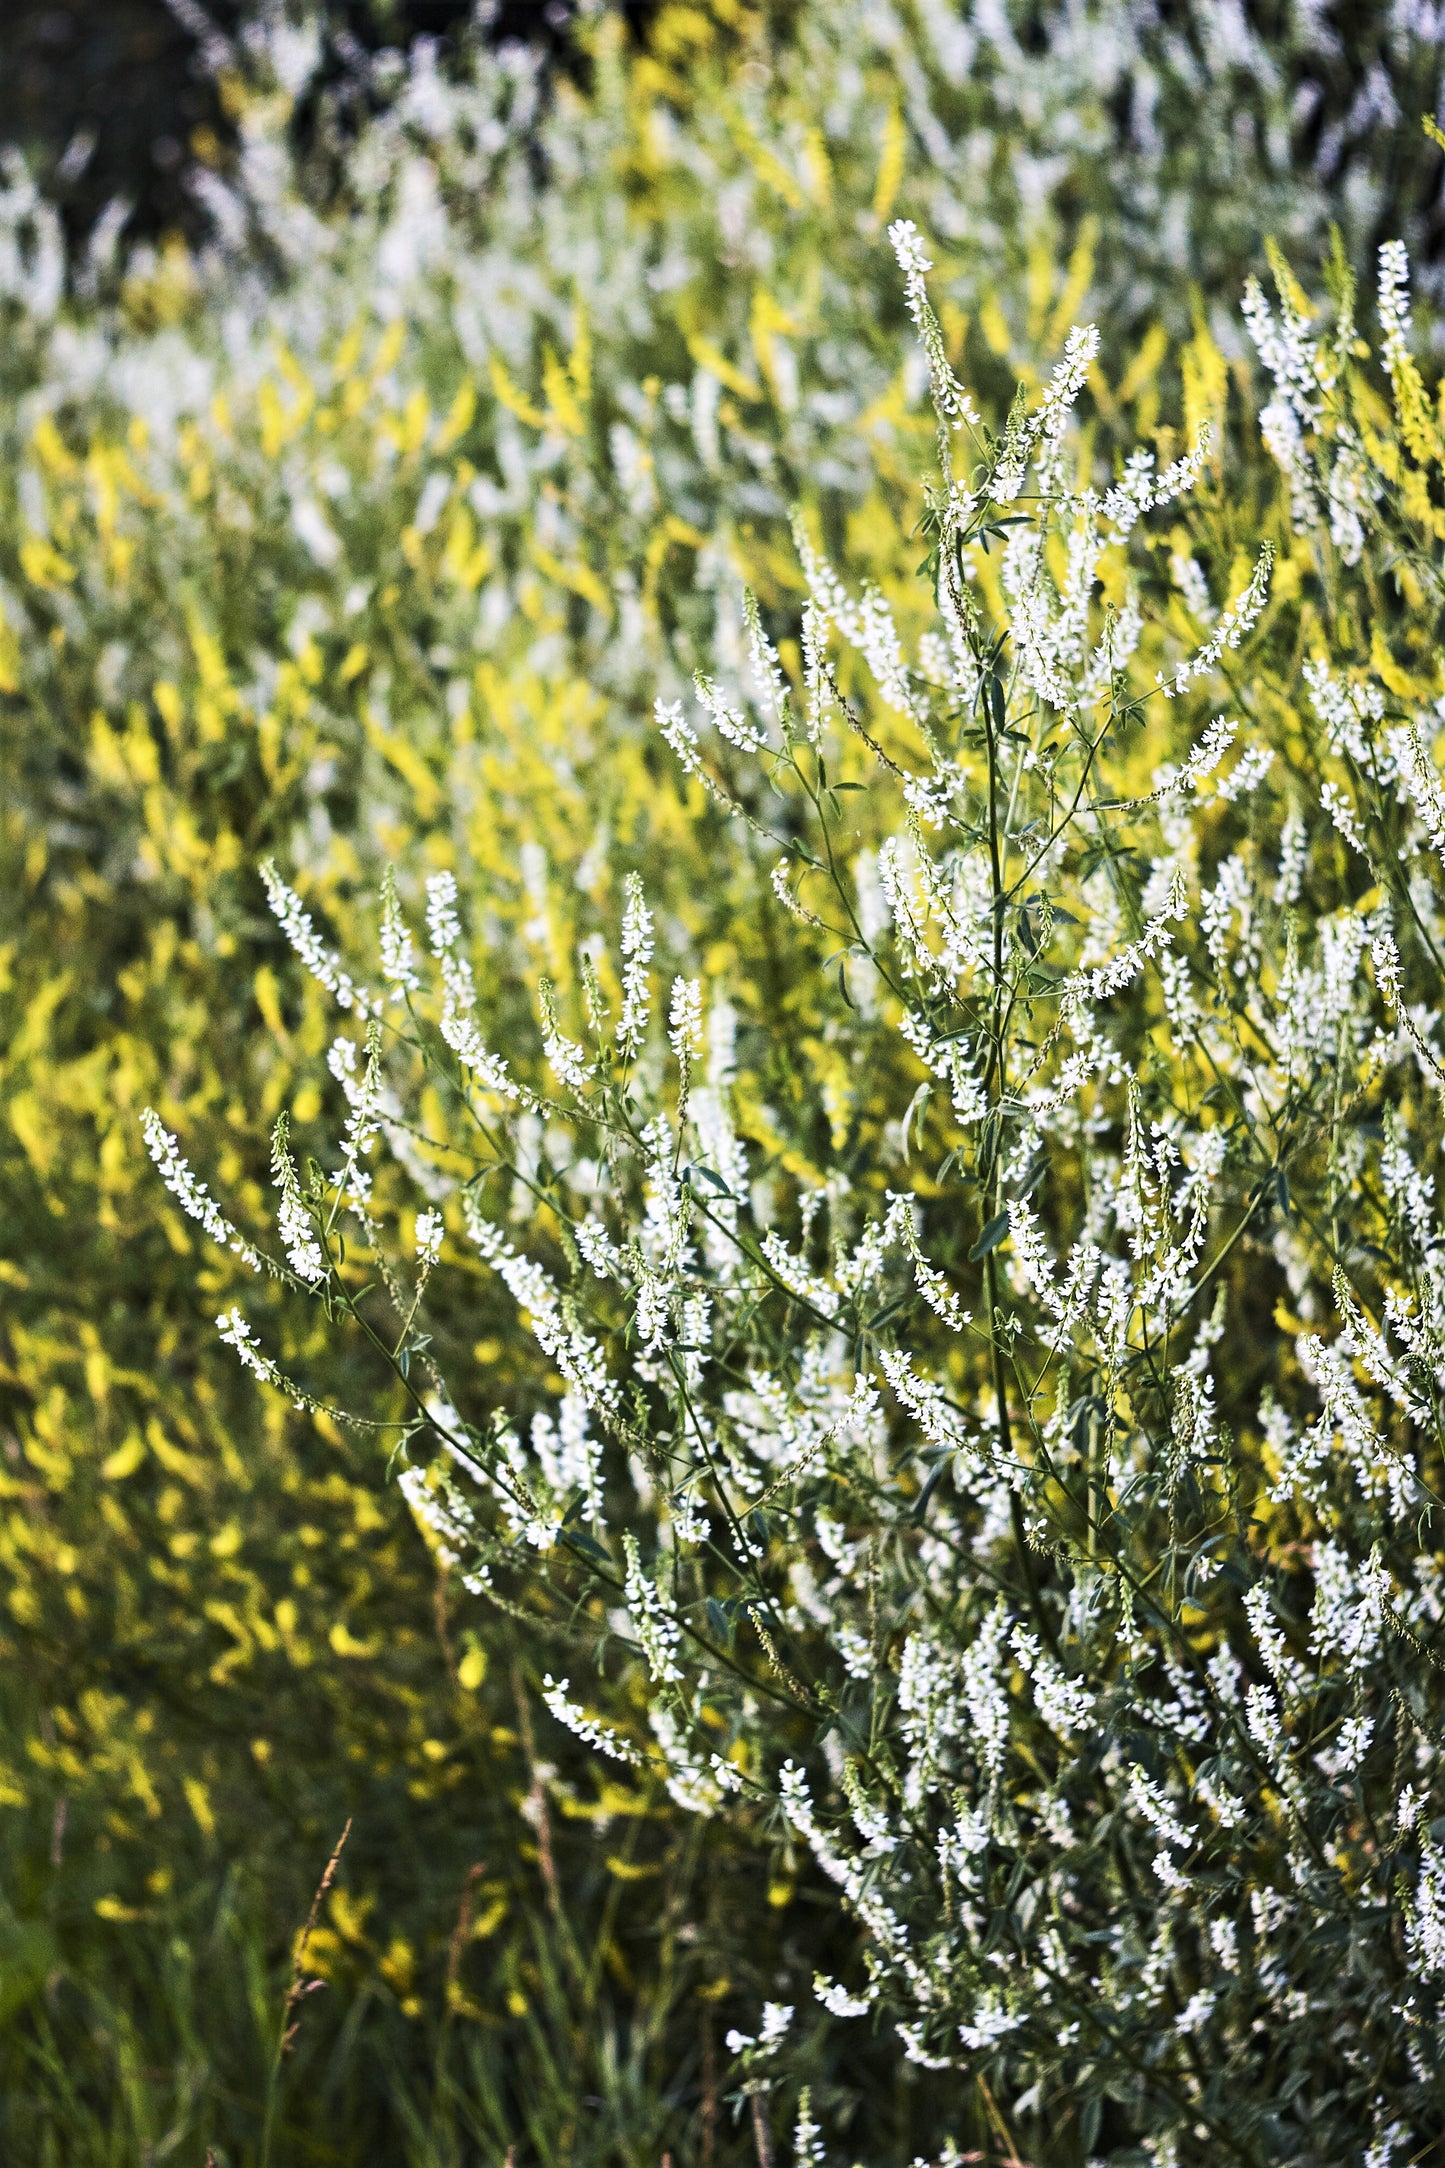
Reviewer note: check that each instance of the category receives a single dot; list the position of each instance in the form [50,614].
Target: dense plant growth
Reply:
[996,1449]
[379,555]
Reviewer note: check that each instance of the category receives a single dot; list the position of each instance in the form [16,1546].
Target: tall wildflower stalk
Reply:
[987,1430]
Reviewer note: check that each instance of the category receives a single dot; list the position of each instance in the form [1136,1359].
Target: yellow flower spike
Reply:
[709,356]
[388,349]
[579,361]
[459,418]
[769,169]
[348,353]
[43,564]
[1071,305]
[51,449]
[507,394]
[562,403]
[198,1799]
[891,156]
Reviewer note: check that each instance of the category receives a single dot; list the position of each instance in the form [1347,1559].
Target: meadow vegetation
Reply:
[1054,1683]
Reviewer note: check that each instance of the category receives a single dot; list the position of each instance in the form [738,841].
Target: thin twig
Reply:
[457,1945]
[762,2133]
[300,1985]
[709,2087]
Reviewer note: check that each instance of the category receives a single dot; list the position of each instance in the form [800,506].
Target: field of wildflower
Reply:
[722,901]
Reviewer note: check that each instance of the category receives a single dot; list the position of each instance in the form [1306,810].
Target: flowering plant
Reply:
[915,1469]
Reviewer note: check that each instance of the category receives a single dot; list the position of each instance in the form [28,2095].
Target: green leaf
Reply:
[991,1237]
[915,1116]
[714,1181]
[925,1496]
[27,1957]
[579,1540]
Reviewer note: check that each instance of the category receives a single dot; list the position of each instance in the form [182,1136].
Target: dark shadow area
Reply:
[117,101]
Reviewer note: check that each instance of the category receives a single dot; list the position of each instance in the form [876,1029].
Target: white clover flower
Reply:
[769,683]
[323,963]
[1201,762]
[777,2017]
[1224,1941]
[1426,1930]
[1139,491]
[679,735]
[1188,577]
[808,2147]
[1391,2141]
[431,1511]
[1393,302]
[192,1194]
[1341,812]
[991,2021]
[1229,630]
[459,992]
[837,2001]
[684,1031]
[695,1782]
[942,1299]
[589,1729]
[636,956]
[293,1219]
[237,1334]
[569,1456]
[949,396]
[567,1060]
[363,1122]
[1064,1704]
[814,637]
[575,1353]
[598,1249]
[655,1625]
[1386,959]
[728,721]
[1248,772]
[398,957]
[1088,986]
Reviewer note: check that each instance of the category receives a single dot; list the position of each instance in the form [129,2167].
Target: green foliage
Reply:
[370,541]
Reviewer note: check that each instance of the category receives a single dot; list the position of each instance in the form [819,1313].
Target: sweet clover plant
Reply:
[985,1436]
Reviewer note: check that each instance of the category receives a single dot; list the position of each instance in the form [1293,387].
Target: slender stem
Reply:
[995,1084]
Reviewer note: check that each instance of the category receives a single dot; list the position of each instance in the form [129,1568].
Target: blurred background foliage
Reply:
[117,101]
[367,472]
